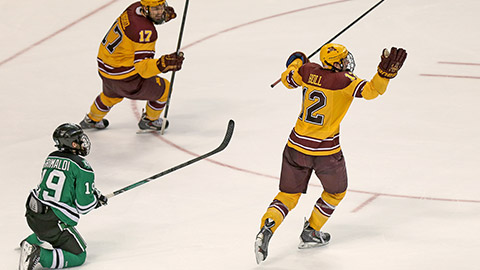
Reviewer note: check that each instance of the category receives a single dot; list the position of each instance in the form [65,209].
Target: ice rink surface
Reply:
[412,154]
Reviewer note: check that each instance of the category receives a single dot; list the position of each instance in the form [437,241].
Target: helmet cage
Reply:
[84,145]
[350,63]
[346,64]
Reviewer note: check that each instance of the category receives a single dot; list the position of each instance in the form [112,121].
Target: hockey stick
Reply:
[182,26]
[337,35]
[223,145]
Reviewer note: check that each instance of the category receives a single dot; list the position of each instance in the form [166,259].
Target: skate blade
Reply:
[25,250]
[259,255]
[307,245]
[148,131]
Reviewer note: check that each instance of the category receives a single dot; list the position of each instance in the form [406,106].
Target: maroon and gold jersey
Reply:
[327,95]
[129,46]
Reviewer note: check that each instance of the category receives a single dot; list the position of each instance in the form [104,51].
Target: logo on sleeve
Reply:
[85,163]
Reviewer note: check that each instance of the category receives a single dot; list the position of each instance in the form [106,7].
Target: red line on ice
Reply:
[371,199]
[451,76]
[459,63]
[68,26]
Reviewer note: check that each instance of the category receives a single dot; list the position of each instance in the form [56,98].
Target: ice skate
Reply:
[146,124]
[263,239]
[311,238]
[88,123]
[29,256]
[42,244]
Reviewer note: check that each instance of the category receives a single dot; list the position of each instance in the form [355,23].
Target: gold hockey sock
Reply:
[101,106]
[279,208]
[324,208]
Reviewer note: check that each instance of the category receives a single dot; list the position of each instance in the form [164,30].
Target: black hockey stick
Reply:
[337,35]
[180,36]
[223,145]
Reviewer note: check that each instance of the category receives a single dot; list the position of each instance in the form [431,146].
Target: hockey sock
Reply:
[280,207]
[58,258]
[33,239]
[155,108]
[101,106]
[324,208]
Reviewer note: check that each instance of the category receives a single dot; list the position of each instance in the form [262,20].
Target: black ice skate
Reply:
[29,256]
[311,238]
[262,240]
[88,123]
[146,124]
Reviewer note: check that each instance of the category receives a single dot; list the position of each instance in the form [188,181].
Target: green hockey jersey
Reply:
[67,186]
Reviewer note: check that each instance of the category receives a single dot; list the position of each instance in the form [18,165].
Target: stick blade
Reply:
[164,125]
[228,134]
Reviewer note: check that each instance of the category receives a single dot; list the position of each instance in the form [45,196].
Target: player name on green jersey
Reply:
[59,164]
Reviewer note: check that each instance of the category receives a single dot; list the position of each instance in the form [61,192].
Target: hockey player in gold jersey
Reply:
[127,66]
[314,145]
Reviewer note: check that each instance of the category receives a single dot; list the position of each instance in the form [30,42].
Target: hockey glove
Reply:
[101,200]
[297,55]
[170,62]
[391,62]
[169,13]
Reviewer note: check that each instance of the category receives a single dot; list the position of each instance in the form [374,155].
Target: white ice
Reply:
[412,154]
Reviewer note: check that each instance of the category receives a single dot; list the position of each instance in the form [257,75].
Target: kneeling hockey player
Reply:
[53,209]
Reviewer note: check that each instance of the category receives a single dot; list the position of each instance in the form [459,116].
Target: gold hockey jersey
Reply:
[327,95]
[129,47]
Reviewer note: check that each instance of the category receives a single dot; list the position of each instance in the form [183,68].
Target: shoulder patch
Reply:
[86,165]
[124,20]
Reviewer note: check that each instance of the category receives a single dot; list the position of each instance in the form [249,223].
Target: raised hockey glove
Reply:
[169,13]
[101,200]
[391,62]
[170,62]
[297,55]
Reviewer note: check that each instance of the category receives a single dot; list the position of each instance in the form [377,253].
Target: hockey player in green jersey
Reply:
[53,209]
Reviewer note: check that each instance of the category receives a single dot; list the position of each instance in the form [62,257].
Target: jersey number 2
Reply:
[319,101]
